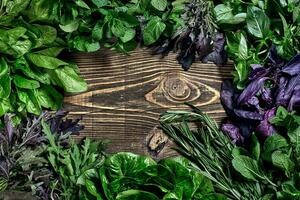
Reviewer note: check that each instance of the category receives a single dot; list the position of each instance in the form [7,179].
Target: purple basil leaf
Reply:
[8,127]
[274,58]
[251,90]
[295,100]
[203,45]
[218,56]
[281,97]
[233,132]
[227,92]
[266,95]
[248,114]
[253,102]
[257,72]
[265,128]
[293,66]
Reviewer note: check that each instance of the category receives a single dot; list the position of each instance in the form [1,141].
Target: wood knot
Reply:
[156,141]
[175,88]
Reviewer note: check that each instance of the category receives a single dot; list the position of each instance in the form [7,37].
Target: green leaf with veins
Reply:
[153,30]
[258,23]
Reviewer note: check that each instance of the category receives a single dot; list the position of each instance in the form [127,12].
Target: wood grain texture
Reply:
[127,94]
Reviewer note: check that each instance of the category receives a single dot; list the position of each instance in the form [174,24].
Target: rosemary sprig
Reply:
[209,149]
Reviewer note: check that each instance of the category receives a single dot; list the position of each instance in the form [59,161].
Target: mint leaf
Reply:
[153,30]
[160,5]
[282,161]
[247,167]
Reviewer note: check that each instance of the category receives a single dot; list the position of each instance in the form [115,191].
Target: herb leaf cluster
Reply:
[252,27]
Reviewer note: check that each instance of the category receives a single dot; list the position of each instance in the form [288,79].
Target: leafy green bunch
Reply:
[39,158]
[253,27]
[127,176]
[264,169]
[120,24]
[32,77]
[274,163]
[24,166]
[33,33]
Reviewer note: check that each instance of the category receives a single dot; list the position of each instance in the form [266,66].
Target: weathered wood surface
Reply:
[127,94]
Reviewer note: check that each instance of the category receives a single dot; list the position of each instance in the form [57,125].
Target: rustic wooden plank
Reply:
[127,94]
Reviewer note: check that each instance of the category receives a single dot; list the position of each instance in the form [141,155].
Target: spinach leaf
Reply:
[45,61]
[24,83]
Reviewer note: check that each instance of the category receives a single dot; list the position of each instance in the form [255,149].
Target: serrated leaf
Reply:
[153,30]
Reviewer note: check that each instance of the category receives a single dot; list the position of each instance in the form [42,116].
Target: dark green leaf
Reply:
[273,143]
[24,83]
[255,147]
[282,161]
[136,195]
[247,167]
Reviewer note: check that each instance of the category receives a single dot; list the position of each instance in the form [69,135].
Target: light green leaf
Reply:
[243,48]
[3,67]
[129,35]
[69,80]
[71,27]
[100,3]
[153,30]
[258,23]
[160,5]
[45,61]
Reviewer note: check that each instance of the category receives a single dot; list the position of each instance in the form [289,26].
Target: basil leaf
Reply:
[22,65]
[258,23]
[153,30]
[243,48]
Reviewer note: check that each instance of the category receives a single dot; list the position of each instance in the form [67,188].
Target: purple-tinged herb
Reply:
[276,84]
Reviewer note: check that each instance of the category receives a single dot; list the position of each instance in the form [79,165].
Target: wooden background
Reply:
[127,94]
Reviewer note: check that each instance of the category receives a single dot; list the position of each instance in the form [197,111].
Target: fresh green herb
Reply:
[211,151]
[73,164]
[130,176]
[24,166]
[262,170]
[253,27]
